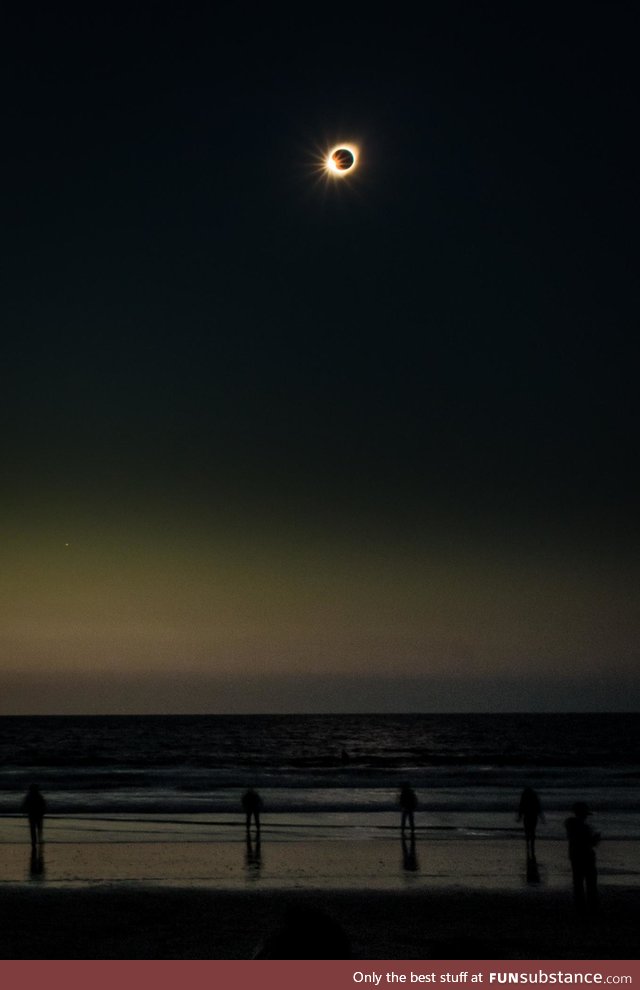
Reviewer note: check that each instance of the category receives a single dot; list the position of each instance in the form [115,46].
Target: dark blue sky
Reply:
[200,329]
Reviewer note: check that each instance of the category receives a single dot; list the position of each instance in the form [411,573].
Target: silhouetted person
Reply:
[582,843]
[35,806]
[408,804]
[252,806]
[529,811]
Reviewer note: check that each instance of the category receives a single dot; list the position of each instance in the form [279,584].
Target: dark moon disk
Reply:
[343,159]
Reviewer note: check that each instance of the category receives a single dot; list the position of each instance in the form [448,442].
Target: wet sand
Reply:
[142,922]
[458,899]
[353,864]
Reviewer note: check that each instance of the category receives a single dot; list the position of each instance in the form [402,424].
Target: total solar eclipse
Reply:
[341,160]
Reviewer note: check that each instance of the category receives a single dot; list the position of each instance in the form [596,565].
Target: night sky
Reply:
[277,441]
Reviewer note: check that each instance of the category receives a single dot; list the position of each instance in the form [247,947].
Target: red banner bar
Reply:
[322,975]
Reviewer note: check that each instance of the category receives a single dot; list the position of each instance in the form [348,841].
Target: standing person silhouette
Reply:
[529,811]
[35,806]
[252,806]
[582,842]
[408,804]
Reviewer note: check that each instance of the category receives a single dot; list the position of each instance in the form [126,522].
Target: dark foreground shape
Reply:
[170,923]
[306,933]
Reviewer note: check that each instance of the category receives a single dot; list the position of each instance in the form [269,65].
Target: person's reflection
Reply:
[409,856]
[36,864]
[533,873]
[253,859]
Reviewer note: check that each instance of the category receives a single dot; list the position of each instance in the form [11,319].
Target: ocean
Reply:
[179,779]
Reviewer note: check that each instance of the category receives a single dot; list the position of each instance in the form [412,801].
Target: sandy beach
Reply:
[213,901]
[348,864]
